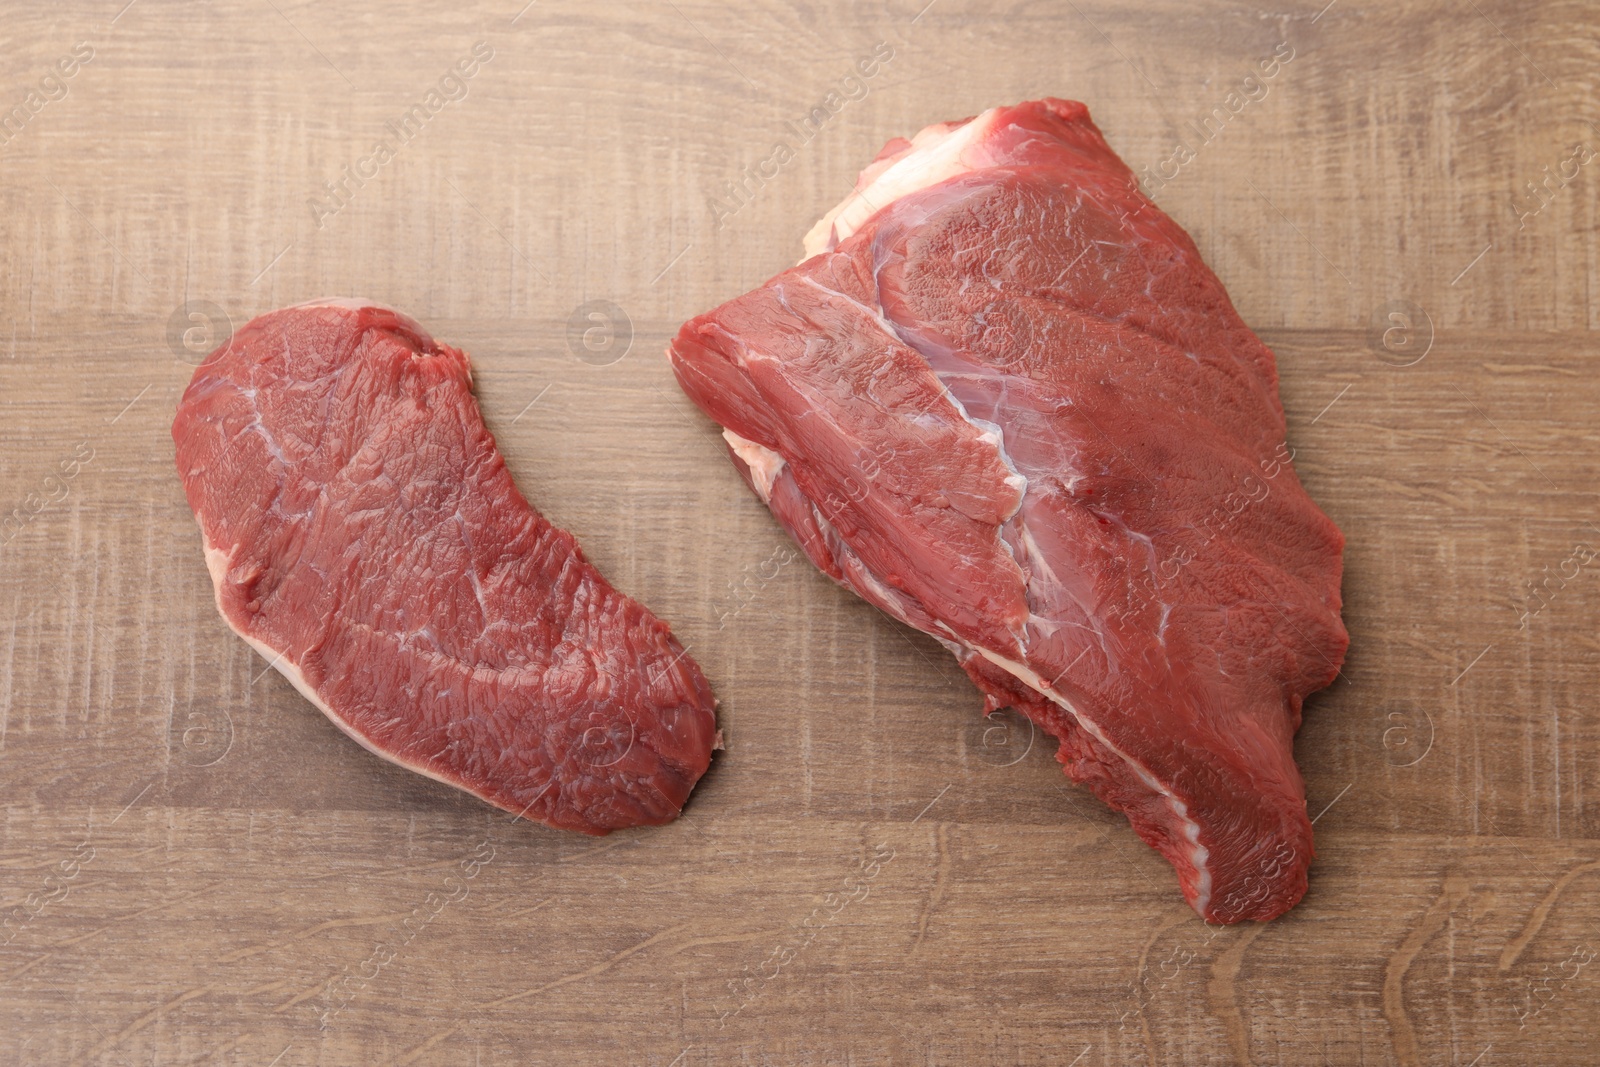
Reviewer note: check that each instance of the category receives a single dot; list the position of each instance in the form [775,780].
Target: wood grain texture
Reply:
[196,867]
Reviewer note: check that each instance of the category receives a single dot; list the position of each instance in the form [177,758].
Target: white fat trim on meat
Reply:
[1191,829]
[218,562]
[765,464]
[935,155]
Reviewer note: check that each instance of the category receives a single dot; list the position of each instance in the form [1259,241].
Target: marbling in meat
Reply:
[1004,400]
[364,535]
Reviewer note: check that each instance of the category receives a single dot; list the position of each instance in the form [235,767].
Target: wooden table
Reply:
[198,868]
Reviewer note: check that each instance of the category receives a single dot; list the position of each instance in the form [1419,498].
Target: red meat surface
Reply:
[1004,400]
[364,535]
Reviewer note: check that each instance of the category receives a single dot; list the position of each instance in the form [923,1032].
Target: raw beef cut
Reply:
[1005,401]
[365,536]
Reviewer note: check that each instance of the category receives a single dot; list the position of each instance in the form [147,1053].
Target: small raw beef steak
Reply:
[365,536]
[1006,402]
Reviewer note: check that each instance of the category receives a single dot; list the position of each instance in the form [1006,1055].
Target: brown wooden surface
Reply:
[200,869]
